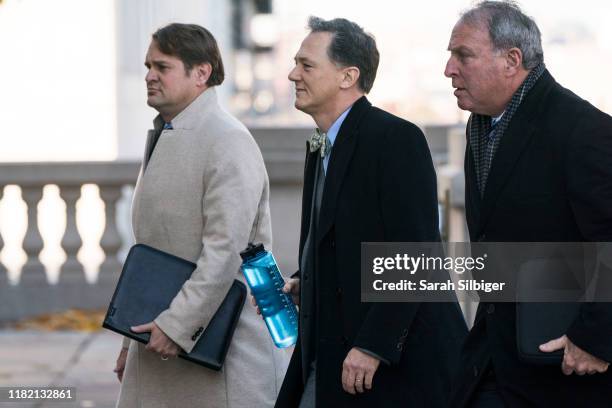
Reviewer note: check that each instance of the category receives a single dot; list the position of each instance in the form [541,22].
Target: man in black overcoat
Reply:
[538,168]
[368,177]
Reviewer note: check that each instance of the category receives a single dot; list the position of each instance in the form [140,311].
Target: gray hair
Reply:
[508,27]
[350,46]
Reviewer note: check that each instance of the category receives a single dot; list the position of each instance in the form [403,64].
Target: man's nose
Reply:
[450,70]
[150,76]
[293,74]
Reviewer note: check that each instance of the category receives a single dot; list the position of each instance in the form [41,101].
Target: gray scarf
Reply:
[484,138]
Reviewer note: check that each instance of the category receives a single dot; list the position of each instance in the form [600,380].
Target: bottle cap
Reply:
[251,251]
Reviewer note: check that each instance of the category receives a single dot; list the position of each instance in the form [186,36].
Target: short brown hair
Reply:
[193,45]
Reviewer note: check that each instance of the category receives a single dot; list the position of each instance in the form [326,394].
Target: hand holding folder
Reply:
[159,342]
[149,281]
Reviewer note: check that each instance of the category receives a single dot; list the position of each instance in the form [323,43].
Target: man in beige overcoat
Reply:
[202,195]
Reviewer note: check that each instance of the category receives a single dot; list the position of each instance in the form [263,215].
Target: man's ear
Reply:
[202,72]
[350,76]
[514,61]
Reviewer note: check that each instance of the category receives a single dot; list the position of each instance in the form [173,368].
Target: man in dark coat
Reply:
[538,168]
[368,177]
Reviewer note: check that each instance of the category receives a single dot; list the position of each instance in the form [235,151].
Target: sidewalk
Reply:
[54,359]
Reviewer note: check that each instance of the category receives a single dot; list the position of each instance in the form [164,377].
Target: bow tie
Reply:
[320,141]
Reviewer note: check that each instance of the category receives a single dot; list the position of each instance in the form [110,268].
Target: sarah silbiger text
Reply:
[425,286]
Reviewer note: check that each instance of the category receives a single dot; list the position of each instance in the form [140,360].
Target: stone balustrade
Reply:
[283,150]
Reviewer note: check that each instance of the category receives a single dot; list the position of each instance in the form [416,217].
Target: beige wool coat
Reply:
[202,196]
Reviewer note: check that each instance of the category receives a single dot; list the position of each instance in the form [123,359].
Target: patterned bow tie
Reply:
[320,141]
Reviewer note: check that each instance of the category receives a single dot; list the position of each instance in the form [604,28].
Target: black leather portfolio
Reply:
[540,322]
[150,280]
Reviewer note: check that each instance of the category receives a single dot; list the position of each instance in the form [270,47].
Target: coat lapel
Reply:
[309,178]
[514,142]
[511,147]
[341,155]
[473,201]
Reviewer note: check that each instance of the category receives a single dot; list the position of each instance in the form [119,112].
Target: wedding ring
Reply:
[164,357]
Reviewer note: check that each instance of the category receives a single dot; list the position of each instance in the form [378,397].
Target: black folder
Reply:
[150,280]
[540,322]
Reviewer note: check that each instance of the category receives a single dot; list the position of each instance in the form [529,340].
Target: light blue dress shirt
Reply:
[333,132]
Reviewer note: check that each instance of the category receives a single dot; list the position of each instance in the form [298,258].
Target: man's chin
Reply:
[463,105]
[301,106]
[152,102]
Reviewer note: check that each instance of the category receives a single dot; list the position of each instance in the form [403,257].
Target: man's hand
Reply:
[358,371]
[575,360]
[292,287]
[120,364]
[159,342]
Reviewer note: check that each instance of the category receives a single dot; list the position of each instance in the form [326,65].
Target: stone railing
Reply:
[33,293]
[36,291]
[33,288]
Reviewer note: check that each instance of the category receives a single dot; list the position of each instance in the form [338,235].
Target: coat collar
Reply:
[189,117]
[340,158]
[519,133]
[185,120]
[338,163]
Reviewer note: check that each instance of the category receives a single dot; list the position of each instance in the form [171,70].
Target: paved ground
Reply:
[71,359]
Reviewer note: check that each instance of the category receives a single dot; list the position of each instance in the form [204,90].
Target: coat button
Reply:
[194,337]
[490,308]
[475,371]
[400,346]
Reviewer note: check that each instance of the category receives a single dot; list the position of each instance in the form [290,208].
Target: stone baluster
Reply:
[111,240]
[71,271]
[33,271]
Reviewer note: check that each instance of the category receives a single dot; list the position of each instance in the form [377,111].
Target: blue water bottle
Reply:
[266,283]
